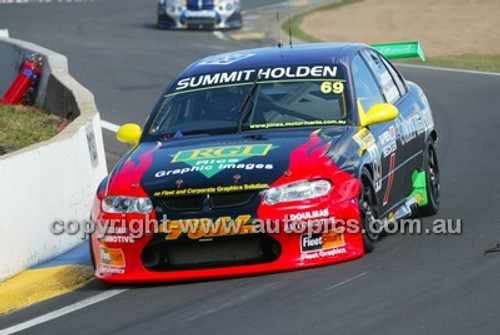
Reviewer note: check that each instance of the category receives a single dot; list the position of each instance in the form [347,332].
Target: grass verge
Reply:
[296,21]
[21,126]
[488,63]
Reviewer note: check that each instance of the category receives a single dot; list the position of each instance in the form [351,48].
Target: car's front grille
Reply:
[219,252]
[195,4]
[213,201]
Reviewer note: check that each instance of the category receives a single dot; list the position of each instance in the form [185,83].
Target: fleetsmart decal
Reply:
[210,161]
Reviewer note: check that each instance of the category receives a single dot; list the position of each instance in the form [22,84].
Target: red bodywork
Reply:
[308,162]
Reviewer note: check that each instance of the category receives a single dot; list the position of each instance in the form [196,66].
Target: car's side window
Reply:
[367,90]
[384,78]
[398,79]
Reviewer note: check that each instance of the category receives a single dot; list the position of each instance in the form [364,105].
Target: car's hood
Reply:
[242,161]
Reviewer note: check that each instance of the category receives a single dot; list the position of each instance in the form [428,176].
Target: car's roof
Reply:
[300,54]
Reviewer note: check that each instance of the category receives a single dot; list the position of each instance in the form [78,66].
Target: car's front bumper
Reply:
[129,267]
[204,20]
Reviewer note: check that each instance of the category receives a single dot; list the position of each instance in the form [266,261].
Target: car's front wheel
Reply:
[368,211]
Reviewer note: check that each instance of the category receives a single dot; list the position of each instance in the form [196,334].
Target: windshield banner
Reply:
[264,74]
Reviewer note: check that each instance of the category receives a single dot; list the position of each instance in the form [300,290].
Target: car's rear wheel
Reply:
[431,167]
[368,211]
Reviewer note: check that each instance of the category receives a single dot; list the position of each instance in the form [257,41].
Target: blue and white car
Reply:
[199,14]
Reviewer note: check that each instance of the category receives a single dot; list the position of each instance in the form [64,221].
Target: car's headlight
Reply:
[122,204]
[298,191]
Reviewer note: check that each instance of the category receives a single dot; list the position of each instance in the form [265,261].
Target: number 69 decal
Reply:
[336,87]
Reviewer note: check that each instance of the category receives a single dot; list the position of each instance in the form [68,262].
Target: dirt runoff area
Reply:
[443,27]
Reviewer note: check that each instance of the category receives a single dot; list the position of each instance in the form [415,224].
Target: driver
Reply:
[224,103]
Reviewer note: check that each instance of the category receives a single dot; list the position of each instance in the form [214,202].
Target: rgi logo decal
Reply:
[210,161]
[226,59]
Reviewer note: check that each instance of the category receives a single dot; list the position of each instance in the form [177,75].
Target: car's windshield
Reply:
[273,104]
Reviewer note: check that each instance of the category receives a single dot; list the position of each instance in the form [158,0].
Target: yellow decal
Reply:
[364,139]
[212,190]
[233,151]
[336,87]
[332,240]
[207,228]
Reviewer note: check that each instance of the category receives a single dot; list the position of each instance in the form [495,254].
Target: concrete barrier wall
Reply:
[52,180]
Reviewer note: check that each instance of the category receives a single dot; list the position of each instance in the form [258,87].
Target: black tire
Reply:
[368,210]
[431,167]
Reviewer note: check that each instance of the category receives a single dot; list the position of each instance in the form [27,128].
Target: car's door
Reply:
[384,152]
[408,151]
[412,125]
[409,123]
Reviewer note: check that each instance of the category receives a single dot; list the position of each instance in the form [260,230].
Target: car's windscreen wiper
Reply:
[244,112]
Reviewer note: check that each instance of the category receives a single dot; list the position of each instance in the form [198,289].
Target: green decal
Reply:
[210,161]
[419,188]
[400,50]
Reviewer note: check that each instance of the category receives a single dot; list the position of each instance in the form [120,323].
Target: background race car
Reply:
[199,14]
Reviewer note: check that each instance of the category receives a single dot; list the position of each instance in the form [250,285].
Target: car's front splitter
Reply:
[120,258]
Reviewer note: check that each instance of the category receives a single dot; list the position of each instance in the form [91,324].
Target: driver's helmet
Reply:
[224,103]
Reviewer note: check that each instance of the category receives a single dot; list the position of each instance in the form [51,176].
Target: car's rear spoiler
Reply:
[400,50]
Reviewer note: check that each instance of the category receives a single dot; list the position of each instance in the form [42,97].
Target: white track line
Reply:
[63,311]
[445,69]
[220,35]
[347,281]
[110,126]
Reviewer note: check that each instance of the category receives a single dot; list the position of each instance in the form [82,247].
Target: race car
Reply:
[268,160]
[199,14]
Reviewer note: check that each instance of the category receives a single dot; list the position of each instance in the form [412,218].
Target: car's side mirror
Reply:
[129,133]
[377,114]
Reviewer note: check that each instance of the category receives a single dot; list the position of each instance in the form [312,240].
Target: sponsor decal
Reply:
[322,245]
[117,235]
[324,253]
[388,139]
[388,136]
[118,239]
[364,139]
[391,148]
[310,215]
[298,124]
[112,257]
[210,161]
[264,74]
[315,242]
[201,13]
[212,190]
[199,228]
[226,59]
[408,129]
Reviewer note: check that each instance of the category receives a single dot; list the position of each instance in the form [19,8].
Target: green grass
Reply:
[296,21]
[22,126]
[488,63]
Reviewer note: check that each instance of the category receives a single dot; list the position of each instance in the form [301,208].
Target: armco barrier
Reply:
[52,180]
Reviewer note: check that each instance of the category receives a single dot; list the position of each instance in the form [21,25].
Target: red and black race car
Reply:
[268,160]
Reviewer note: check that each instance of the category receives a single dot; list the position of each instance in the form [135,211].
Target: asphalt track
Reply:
[425,284]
